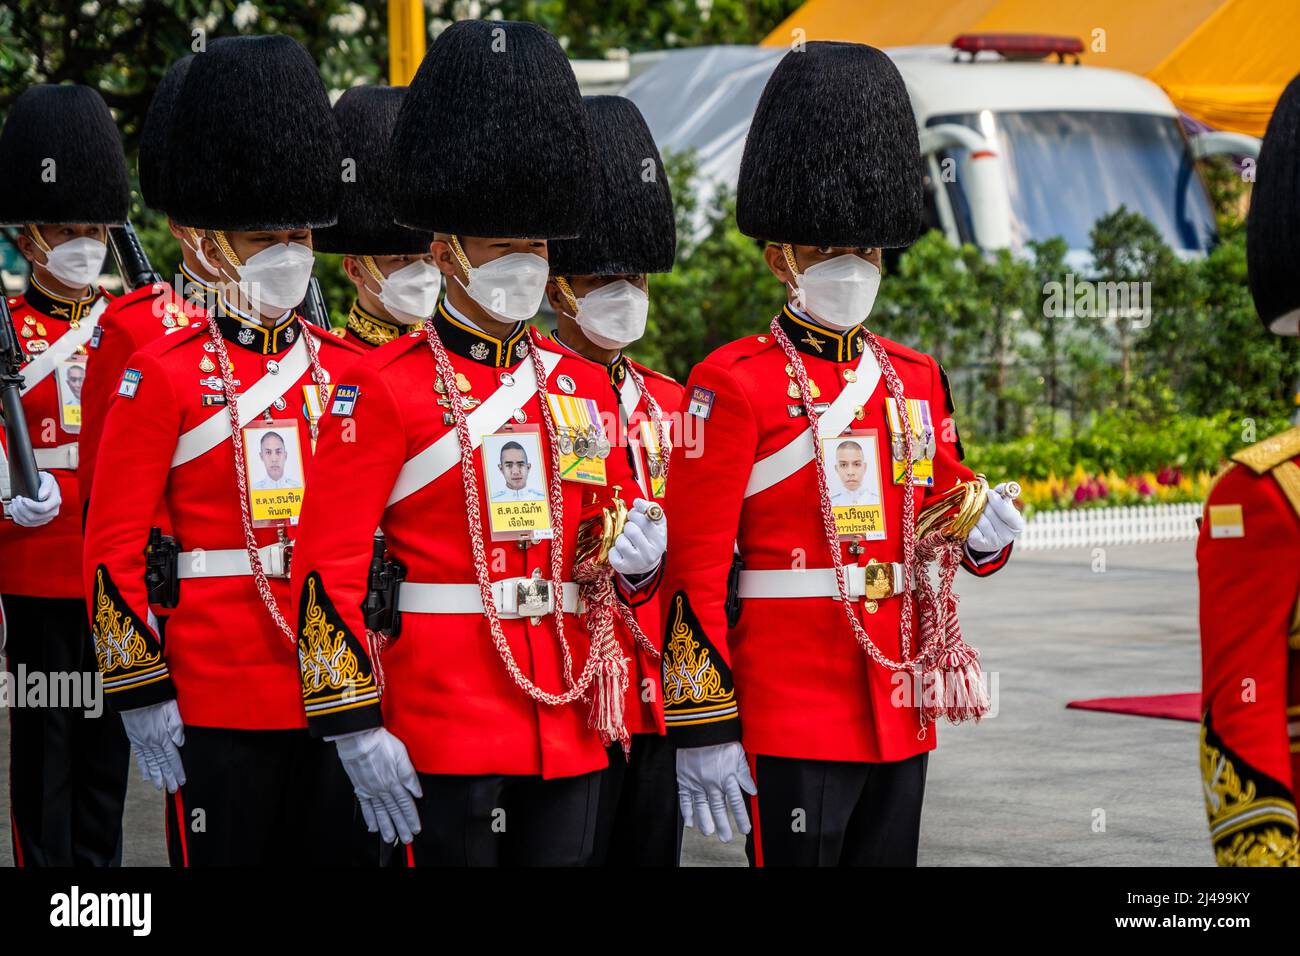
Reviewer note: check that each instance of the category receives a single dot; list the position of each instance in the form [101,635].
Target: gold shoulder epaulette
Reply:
[1264,456]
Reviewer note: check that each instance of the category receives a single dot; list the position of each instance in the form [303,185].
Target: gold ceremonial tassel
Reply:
[597,532]
[956,511]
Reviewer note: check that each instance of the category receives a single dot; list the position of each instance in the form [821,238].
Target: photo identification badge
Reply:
[274,465]
[852,462]
[70,375]
[515,481]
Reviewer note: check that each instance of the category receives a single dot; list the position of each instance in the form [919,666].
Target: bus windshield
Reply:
[1067,169]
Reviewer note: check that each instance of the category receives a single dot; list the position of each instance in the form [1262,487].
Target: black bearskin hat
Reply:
[61,159]
[631,229]
[832,157]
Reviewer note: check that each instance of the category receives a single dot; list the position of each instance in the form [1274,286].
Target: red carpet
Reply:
[1168,706]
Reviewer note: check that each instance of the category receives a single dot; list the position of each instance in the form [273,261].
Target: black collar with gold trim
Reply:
[812,339]
[371,329]
[56,306]
[468,342]
[246,332]
[193,288]
[617,369]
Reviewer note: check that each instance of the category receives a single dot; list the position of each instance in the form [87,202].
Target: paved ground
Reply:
[1024,787]
[1029,786]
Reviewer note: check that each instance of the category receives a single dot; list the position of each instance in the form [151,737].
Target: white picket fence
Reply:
[1089,527]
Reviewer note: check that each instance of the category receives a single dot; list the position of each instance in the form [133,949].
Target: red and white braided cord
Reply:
[908,663]
[657,421]
[472,506]
[241,467]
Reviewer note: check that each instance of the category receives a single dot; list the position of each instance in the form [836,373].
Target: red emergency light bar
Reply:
[1019,46]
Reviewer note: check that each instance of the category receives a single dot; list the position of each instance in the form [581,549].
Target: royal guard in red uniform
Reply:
[65,181]
[391,266]
[599,294]
[476,732]
[1246,559]
[217,421]
[809,453]
[146,313]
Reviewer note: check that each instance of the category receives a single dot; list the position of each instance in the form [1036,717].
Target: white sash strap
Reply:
[813,582]
[233,562]
[432,463]
[629,397]
[66,456]
[784,462]
[207,435]
[417,598]
[39,368]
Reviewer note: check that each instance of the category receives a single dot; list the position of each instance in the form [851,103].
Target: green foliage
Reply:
[720,288]
[1126,443]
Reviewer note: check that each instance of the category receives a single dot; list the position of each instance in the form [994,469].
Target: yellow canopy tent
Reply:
[1224,62]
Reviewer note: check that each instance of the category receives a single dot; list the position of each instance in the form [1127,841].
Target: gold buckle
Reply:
[880,580]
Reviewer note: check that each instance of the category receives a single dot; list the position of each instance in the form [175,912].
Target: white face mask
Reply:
[411,292]
[77,262]
[614,315]
[275,279]
[838,292]
[197,249]
[510,288]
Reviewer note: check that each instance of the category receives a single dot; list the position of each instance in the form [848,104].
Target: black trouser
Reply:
[265,798]
[502,820]
[836,813]
[639,822]
[67,770]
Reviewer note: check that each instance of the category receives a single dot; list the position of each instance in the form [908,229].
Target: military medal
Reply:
[27,332]
[462,383]
[207,365]
[578,436]
[566,385]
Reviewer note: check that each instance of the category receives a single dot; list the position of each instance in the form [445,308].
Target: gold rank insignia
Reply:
[793,390]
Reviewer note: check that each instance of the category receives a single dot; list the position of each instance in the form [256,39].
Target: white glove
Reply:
[382,775]
[641,544]
[32,513]
[709,780]
[155,733]
[998,526]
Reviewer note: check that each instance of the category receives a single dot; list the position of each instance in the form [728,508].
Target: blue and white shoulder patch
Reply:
[345,399]
[130,382]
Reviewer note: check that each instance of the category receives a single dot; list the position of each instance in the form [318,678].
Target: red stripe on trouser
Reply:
[753,811]
[410,855]
[179,805]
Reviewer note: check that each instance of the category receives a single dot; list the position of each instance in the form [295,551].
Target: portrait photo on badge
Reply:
[70,377]
[852,463]
[514,476]
[276,482]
